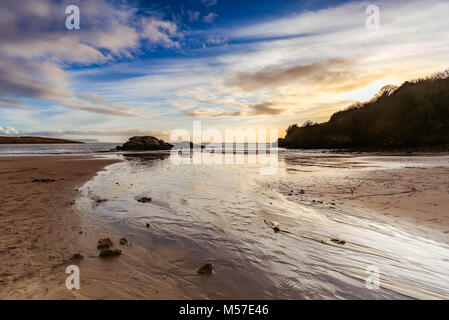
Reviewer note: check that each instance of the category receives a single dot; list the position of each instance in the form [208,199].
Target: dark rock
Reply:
[145,143]
[273,225]
[280,143]
[123,241]
[301,191]
[144,200]
[104,243]
[208,268]
[338,241]
[43,180]
[147,225]
[77,256]
[110,253]
[80,232]
[98,201]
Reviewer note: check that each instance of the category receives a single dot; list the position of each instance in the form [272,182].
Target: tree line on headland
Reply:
[414,115]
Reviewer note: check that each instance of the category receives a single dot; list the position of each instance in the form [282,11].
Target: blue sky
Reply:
[149,67]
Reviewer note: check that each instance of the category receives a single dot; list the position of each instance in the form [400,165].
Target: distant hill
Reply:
[32,140]
[88,140]
[414,115]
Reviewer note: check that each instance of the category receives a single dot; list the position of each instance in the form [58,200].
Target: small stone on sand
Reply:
[104,243]
[338,241]
[110,253]
[208,268]
[144,200]
[77,256]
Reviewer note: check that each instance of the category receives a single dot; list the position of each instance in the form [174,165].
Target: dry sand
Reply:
[38,226]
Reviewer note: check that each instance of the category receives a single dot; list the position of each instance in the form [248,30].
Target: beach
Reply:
[54,207]
[38,223]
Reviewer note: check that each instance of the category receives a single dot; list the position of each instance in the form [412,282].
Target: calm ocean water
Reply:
[54,149]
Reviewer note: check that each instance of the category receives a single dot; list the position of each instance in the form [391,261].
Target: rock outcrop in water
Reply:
[145,143]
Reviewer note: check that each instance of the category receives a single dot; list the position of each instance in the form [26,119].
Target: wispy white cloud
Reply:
[216,41]
[209,3]
[210,17]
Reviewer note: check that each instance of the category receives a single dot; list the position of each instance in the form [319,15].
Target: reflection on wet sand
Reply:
[227,215]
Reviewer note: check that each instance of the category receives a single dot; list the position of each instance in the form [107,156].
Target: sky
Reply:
[149,67]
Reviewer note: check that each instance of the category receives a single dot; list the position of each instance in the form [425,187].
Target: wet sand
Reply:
[41,229]
[416,197]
